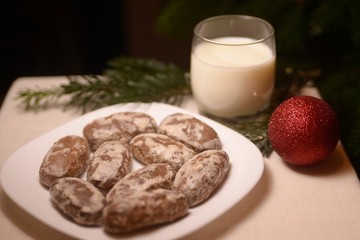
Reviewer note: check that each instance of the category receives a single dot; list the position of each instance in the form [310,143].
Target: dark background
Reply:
[47,38]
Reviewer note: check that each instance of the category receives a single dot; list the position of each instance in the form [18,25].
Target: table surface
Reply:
[319,202]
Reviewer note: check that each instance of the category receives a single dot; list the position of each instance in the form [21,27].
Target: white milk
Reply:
[230,81]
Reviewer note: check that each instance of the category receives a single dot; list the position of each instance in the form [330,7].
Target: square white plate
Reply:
[20,177]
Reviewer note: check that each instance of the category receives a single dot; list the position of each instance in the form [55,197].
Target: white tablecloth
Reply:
[320,202]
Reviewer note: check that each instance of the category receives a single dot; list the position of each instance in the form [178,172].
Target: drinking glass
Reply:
[233,65]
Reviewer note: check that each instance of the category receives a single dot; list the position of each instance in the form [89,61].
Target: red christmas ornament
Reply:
[303,130]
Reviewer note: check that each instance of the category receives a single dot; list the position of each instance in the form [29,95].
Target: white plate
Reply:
[19,177]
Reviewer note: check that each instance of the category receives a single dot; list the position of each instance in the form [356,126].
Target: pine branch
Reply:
[40,98]
[126,80]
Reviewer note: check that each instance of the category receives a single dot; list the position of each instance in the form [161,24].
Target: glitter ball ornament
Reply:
[303,130]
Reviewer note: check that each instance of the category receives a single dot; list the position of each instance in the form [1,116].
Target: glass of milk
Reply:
[233,65]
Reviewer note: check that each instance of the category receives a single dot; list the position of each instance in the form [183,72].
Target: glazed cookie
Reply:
[191,131]
[201,175]
[67,157]
[78,199]
[158,148]
[120,126]
[110,163]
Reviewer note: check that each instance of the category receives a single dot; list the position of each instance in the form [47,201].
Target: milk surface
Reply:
[232,80]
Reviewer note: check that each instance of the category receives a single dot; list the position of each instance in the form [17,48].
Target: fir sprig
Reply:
[125,80]
[254,128]
[33,99]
